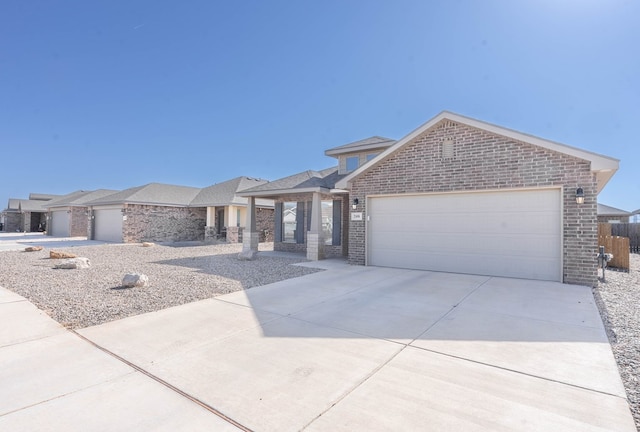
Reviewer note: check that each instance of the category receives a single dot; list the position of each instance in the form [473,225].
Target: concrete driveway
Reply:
[19,241]
[352,348]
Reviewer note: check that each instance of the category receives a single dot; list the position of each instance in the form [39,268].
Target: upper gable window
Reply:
[352,163]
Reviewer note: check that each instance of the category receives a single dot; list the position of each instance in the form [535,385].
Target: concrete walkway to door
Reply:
[348,349]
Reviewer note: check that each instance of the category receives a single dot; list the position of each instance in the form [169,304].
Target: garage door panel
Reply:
[108,225]
[60,223]
[450,244]
[512,233]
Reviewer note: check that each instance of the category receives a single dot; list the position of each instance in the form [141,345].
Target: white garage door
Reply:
[508,233]
[59,223]
[108,225]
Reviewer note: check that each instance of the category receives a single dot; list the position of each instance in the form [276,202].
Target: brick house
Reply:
[68,215]
[458,195]
[168,213]
[610,214]
[226,210]
[26,215]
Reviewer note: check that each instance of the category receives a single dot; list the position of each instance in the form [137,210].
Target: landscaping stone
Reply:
[33,249]
[131,280]
[61,255]
[148,244]
[74,263]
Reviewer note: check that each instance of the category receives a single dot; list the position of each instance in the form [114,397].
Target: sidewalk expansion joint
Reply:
[166,384]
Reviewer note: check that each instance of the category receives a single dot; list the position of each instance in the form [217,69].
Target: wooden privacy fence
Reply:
[629,230]
[619,247]
[616,245]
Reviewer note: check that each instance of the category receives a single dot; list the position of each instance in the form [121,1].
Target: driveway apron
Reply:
[349,348]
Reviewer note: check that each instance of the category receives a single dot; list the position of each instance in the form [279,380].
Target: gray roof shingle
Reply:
[225,193]
[371,143]
[605,210]
[324,179]
[150,194]
[79,198]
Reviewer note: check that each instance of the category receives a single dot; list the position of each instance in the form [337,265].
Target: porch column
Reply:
[250,236]
[315,240]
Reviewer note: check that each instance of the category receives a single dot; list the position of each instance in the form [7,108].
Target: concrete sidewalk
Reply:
[350,348]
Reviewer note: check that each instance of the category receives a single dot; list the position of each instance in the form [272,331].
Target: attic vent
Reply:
[447,149]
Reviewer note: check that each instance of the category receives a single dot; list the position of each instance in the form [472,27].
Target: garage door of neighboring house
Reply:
[59,223]
[108,225]
[506,233]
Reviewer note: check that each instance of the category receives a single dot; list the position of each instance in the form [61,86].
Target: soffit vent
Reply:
[447,149]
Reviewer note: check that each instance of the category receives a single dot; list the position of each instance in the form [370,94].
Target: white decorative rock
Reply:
[74,263]
[131,280]
[148,244]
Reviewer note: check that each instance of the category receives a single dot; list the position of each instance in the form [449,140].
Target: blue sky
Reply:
[117,94]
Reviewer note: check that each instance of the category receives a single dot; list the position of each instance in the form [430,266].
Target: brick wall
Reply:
[606,219]
[12,222]
[163,224]
[329,250]
[482,161]
[78,222]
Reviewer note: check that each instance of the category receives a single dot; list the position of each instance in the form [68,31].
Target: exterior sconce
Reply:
[355,203]
[579,196]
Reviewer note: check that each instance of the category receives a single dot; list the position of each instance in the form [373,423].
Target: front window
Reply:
[327,222]
[352,163]
[289,211]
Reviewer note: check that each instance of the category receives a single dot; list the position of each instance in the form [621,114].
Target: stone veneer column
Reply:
[250,236]
[315,240]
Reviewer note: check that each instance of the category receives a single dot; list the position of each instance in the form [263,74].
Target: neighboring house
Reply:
[152,212]
[226,211]
[455,195]
[68,215]
[26,215]
[635,216]
[162,212]
[612,215]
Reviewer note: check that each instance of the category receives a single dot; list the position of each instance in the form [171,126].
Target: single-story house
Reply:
[226,211]
[26,215]
[162,212]
[68,215]
[612,215]
[151,212]
[455,195]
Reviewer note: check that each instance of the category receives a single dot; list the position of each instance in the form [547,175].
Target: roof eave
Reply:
[277,192]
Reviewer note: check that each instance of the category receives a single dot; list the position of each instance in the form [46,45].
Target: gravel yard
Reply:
[177,275]
[618,299]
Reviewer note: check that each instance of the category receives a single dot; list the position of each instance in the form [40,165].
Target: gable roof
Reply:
[605,210]
[306,181]
[150,194]
[372,143]
[602,166]
[32,206]
[226,193]
[78,198]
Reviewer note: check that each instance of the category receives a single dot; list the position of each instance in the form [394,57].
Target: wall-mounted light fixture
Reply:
[355,203]
[579,196]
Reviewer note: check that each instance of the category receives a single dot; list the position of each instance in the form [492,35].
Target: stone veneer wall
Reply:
[163,224]
[12,222]
[265,220]
[78,222]
[484,161]
[330,251]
